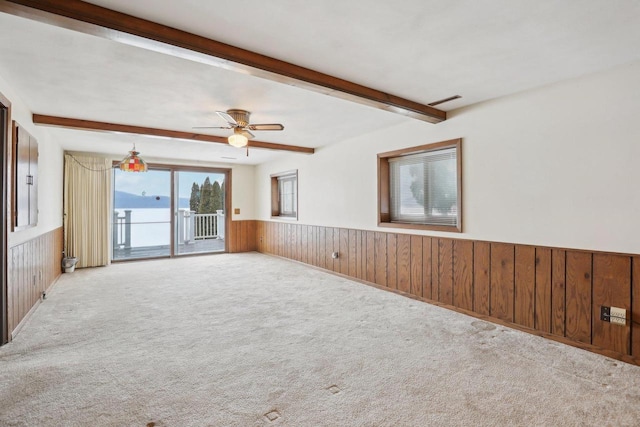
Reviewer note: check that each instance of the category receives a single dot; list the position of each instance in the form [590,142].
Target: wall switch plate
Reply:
[618,316]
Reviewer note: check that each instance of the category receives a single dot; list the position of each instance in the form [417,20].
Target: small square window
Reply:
[284,195]
[420,187]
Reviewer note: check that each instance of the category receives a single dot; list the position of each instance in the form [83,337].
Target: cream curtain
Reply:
[87,207]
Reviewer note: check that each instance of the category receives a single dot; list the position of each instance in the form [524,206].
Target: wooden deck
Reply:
[199,246]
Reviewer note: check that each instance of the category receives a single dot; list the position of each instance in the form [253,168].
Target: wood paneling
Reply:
[416,266]
[371,257]
[392,261]
[380,258]
[344,251]
[243,236]
[463,274]
[611,288]
[353,234]
[502,280]
[557,292]
[404,262]
[481,274]
[322,245]
[336,248]
[32,267]
[328,248]
[304,235]
[295,242]
[635,311]
[313,255]
[445,271]
[525,286]
[435,281]
[260,236]
[426,268]
[361,256]
[543,290]
[578,296]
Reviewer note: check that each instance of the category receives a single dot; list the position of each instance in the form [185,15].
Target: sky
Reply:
[158,182]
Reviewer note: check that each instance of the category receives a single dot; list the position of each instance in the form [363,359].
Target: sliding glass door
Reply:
[200,212]
[141,226]
[168,212]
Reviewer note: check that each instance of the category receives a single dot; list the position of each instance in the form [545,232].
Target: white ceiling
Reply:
[423,50]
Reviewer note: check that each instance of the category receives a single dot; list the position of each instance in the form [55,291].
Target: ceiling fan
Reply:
[238,120]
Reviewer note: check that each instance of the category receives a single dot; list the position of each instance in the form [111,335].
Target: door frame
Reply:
[5,106]
[172,168]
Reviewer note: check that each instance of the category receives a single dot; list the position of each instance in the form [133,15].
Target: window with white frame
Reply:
[284,195]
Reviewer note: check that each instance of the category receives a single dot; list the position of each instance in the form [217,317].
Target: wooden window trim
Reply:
[275,196]
[384,190]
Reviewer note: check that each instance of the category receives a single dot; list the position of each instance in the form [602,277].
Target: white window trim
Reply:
[275,195]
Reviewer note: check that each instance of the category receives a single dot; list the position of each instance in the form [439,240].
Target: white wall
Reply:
[557,166]
[50,169]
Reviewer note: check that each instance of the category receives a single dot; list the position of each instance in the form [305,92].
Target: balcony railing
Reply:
[190,227]
[121,229]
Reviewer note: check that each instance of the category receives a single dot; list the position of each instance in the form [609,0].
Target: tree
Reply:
[194,200]
[417,183]
[206,198]
[216,196]
[222,197]
[438,192]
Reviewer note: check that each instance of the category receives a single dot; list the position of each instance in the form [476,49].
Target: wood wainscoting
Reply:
[552,292]
[32,267]
[242,236]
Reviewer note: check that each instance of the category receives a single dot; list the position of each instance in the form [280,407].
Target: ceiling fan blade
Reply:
[247,133]
[227,118]
[212,127]
[266,126]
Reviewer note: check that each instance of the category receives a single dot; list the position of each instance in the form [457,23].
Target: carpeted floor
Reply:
[252,340]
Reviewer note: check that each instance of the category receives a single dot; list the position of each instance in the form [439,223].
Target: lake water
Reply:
[149,227]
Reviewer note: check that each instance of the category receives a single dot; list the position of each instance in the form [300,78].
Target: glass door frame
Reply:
[172,206]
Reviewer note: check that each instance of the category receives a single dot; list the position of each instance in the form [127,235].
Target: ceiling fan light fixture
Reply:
[238,139]
[133,163]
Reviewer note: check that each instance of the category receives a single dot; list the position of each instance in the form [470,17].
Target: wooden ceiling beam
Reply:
[41,119]
[99,21]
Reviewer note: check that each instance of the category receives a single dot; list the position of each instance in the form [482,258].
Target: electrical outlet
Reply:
[618,316]
[614,315]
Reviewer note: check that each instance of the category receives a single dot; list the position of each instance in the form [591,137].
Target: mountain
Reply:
[123,200]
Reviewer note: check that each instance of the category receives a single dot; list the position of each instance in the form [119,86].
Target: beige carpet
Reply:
[252,340]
